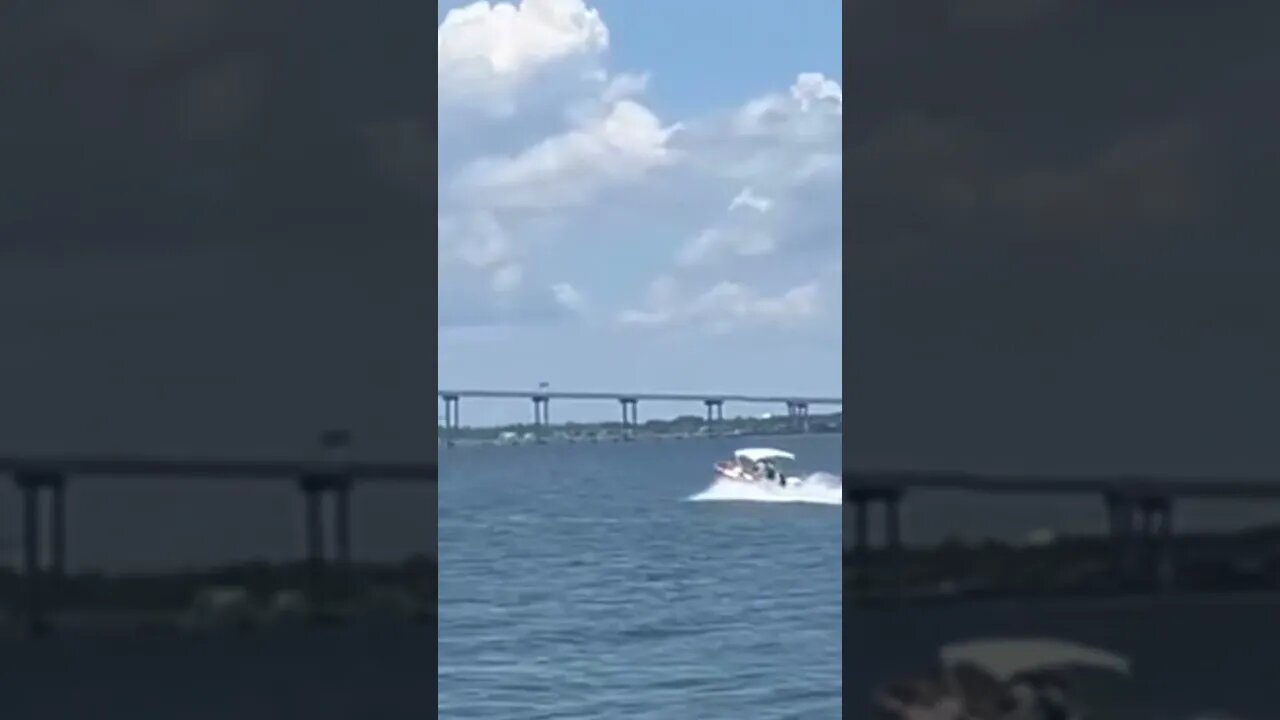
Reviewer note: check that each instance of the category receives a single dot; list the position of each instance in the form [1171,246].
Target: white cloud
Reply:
[714,243]
[624,86]
[479,243]
[745,233]
[775,142]
[485,52]
[786,151]
[566,154]
[806,112]
[748,199]
[570,168]
[507,278]
[568,297]
[477,240]
[725,307]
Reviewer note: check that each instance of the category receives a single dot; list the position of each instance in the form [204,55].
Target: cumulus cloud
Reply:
[507,279]
[568,297]
[479,242]
[554,148]
[748,199]
[623,86]
[487,52]
[568,169]
[723,308]
[785,152]
[804,113]
[745,233]
[787,148]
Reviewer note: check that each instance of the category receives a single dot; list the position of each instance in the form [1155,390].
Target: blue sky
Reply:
[639,196]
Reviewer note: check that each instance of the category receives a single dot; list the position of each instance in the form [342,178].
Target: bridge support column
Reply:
[1158,536]
[863,549]
[798,415]
[541,416]
[893,538]
[1142,533]
[1125,539]
[630,417]
[861,544]
[893,523]
[342,522]
[715,414]
[451,417]
[31,483]
[314,488]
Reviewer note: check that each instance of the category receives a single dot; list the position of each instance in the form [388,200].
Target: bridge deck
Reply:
[1202,487]
[127,466]
[678,397]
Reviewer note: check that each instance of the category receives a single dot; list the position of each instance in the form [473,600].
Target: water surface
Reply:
[578,581]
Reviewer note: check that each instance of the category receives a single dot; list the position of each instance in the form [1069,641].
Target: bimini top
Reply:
[758,454]
[1005,658]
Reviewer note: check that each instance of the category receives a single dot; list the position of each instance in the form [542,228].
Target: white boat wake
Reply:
[817,489]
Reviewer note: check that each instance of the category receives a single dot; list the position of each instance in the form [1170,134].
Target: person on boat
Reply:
[1040,696]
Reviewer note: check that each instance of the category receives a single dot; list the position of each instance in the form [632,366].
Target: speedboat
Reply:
[757,465]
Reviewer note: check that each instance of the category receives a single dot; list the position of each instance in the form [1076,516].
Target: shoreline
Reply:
[680,427]
[247,597]
[636,437]
[1085,566]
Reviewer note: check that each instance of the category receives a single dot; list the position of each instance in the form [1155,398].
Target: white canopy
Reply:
[758,454]
[1005,658]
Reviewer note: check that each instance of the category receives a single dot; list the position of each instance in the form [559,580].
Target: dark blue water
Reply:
[364,673]
[578,582]
[359,672]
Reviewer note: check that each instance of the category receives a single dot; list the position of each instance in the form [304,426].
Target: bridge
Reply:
[1139,508]
[797,406]
[315,479]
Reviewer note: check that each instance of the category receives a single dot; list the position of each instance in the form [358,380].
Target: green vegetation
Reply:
[678,427]
[411,584]
[1081,565]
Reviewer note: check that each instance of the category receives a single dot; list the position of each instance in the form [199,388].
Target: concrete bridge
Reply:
[797,406]
[315,479]
[1139,508]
